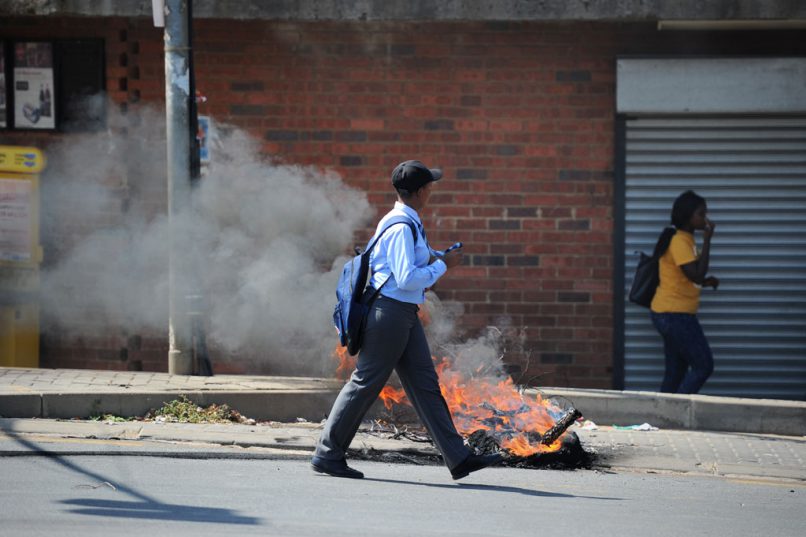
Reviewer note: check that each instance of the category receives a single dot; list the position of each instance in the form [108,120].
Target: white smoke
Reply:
[263,241]
[480,357]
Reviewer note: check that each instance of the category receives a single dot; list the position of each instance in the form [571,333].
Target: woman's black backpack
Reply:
[647,274]
[645,281]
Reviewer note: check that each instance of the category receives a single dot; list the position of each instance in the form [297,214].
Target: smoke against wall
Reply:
[261,241]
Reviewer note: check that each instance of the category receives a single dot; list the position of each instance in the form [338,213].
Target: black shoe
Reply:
[335,468]
[473,463]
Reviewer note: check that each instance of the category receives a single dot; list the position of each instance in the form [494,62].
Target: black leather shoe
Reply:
[335,468]
[473,463]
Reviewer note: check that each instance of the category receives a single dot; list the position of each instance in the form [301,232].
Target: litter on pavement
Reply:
[587,425]
[642,427]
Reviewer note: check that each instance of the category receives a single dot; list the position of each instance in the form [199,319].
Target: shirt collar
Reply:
[409,211]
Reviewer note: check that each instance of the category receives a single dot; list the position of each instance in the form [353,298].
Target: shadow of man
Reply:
[142,507]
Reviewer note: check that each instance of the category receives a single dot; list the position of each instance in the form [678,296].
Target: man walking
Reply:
[394,338]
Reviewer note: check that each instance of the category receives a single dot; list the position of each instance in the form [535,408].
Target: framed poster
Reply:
[33,86]
[3,113]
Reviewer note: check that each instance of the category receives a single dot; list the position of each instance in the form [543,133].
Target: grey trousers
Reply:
[393,339]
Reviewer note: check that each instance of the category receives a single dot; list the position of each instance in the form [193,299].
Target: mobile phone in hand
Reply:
[454,247]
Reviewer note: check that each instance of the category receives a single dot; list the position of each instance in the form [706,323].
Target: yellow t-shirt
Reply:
[676,293]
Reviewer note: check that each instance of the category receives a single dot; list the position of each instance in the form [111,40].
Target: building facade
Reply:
[554,173]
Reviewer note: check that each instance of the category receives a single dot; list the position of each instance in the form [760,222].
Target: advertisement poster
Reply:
[33,86]
[3,114]
[16,213]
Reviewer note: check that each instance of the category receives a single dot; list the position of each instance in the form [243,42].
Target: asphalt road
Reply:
[147,495]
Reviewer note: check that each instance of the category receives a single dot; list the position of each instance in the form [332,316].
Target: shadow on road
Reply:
[153,510]
[492,488]
[143,507]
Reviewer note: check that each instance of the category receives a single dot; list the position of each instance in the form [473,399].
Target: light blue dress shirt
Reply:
[396,257]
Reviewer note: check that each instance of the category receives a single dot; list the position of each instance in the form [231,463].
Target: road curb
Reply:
[693,412]
[274,405]
[607,407]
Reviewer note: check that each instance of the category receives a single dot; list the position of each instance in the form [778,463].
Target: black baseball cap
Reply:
[411,175]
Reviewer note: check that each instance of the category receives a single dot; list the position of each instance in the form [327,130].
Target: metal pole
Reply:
[200,363]
[177,108]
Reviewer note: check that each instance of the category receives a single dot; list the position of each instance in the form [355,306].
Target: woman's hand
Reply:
[708,230]
[711,281]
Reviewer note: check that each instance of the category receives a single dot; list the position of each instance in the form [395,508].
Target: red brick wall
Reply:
[519,115]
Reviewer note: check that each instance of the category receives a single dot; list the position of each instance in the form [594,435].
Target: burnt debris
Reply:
[551,436]
[570,456]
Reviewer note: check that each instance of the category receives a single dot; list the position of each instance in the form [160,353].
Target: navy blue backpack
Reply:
[353,303]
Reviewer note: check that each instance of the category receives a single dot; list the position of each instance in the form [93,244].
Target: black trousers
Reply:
[393,340]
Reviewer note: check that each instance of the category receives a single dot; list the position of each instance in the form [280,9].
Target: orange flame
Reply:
[495,405]
[346,362]
[477,402]
[391,396]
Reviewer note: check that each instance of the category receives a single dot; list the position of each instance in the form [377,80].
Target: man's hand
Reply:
[453,258]
[711,281]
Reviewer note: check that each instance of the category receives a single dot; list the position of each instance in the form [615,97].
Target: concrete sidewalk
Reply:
[750,449]
[71,393]
[688,452]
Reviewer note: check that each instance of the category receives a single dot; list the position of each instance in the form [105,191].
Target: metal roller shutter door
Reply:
[752,171]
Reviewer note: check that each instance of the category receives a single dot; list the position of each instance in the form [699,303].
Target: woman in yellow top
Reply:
[689,361]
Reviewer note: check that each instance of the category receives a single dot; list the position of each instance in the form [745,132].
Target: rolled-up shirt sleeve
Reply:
[401,259]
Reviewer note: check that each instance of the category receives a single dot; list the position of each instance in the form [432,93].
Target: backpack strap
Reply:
[391,222]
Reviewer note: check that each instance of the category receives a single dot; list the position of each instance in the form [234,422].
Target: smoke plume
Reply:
[263,241]
[263,244]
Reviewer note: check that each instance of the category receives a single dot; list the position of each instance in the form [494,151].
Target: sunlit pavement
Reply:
[130,495]
[687,452]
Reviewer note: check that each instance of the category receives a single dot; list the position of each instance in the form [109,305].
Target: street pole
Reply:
[177,112]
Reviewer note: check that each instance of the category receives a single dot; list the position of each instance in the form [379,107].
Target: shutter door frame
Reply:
[725,150]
